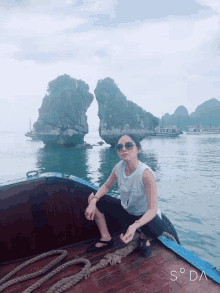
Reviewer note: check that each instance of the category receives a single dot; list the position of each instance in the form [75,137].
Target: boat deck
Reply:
[133,274]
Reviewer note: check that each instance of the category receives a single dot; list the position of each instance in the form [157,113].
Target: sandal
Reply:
[93,248]
[145,250]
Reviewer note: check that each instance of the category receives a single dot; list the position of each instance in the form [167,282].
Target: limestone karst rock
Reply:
[210,108]
[181,111]
[207,113]
[62,117]
[120,116]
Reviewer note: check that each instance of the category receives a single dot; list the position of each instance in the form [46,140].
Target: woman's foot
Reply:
[145,250]
[147,243]
[145,247]
[99,244]
[142,237]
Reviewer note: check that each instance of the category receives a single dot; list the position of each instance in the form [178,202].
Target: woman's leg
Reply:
[101,223]
[153,229]
[109,209]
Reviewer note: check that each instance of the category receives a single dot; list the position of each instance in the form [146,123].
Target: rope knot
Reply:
[110,258]
[113,259]
[117,258]
[104,262]
[87,273]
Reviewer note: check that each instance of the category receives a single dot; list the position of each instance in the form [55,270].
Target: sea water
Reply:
[187,172]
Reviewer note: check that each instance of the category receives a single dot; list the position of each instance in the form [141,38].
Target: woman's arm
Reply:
[106,186]
[149,182]
[152,204]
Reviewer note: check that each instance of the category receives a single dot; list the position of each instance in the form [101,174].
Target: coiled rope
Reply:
[66,283]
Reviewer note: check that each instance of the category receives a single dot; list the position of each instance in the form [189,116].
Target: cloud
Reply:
[8,50]
[36,37]
[103,53]
[158,63]
[101,6]
[214,4]
[22,4]
[194,77]
[26,25]
[128,47]
[128,12]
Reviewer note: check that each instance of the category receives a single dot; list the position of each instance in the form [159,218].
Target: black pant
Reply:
[115,214]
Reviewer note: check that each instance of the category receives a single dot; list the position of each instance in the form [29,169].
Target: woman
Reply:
[139,202]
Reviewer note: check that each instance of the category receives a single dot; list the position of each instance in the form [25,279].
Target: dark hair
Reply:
[135,140]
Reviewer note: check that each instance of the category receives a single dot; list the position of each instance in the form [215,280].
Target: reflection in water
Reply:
[93,166]
[72,161]
[108,159]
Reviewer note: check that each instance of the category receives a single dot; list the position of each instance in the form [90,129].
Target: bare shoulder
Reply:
[112,178]
[115,166]
[148,177]
[118,165]
[114,169]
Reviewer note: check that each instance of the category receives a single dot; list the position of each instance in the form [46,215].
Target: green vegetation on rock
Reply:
[207,113]
[119,115]
[64,107]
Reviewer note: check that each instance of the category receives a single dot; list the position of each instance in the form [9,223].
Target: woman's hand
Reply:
[90,211]
[129,235]
[90,197]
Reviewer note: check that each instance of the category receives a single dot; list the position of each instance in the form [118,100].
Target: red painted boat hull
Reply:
[44,214]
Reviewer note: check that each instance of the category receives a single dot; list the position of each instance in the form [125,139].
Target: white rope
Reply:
[66,283]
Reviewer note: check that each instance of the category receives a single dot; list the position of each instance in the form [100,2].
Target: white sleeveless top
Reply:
[132,189]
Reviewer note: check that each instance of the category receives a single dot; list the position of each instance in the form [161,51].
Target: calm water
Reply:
[187,170]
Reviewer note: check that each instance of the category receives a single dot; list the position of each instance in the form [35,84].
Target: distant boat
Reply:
[199,129]
[168,131]
[32,133]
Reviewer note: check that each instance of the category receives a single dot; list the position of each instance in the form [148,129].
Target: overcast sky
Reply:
[161,53]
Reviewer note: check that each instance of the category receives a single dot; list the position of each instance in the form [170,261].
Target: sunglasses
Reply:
[128,145]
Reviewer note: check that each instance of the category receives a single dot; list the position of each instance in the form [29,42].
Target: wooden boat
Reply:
[199,129]
[32,133]
[45,212]
[168,131]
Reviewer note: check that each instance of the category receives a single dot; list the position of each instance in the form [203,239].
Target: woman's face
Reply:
[126,154]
